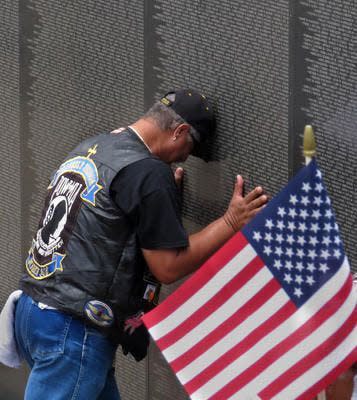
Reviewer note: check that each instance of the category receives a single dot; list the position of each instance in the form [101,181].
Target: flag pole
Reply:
[309,153]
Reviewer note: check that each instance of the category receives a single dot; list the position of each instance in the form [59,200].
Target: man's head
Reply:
[188,116]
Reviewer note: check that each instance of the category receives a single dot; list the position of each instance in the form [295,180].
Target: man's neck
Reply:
[149,133]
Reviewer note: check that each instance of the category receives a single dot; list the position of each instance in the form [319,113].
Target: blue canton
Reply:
[297,236]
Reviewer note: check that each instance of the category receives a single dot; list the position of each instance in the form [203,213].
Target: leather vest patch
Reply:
[75,181]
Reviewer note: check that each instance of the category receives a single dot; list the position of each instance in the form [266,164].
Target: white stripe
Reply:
[228,308]
[280,333]
[318,371]
[234,337]
[213,286]
[302,349]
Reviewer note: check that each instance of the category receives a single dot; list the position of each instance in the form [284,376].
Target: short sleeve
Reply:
[146,192]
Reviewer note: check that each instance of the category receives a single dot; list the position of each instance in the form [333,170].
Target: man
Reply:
[110,232]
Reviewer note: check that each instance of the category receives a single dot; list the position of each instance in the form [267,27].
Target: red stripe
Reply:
[196,281]
[212,305]
[283,347]
[231,323]
[235,352]
[310,360]
[330,377]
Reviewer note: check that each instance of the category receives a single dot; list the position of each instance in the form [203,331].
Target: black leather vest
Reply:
[85,259]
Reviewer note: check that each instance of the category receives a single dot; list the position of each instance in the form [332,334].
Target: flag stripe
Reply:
[213,286]
[212,305]
[208,270]
[215,320]
[309,360]
[292,349]
[262,330]
[347,347]
[249,308]
[273,340]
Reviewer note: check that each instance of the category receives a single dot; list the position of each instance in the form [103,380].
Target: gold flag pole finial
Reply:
[309,142]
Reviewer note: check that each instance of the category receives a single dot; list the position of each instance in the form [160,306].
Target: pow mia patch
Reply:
[75,181]
[99,313]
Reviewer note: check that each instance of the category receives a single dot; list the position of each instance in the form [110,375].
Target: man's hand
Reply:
[242,209]
[179,177]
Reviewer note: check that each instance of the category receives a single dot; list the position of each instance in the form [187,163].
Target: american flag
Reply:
[272,315]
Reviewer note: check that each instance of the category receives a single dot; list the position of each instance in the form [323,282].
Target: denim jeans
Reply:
[68,359]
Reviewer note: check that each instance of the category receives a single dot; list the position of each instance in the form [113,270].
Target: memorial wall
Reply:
[74,68]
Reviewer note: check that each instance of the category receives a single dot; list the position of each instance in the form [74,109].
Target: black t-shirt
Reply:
[146,192]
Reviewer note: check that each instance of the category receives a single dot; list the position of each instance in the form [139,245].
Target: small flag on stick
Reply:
[271,315]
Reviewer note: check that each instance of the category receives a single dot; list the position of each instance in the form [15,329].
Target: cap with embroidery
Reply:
[194,108]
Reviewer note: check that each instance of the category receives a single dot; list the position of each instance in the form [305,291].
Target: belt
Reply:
[44,306]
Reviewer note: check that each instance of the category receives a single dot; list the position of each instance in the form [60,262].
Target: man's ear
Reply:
[181,129]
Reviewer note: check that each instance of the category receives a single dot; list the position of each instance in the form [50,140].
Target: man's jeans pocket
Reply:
[47,332]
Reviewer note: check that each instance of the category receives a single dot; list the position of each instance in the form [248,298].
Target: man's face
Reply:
[184,145]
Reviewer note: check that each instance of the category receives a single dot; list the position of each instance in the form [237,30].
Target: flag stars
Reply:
[289,265]
[280,225]
[301,240]
[310,280]
[277,264]
[303,213]
[281,212]
[269,223]
[302,227]
[291,226]
[325,254]
[337,240]
[327,227]
[318,187]
[337,253]
[312,254]
[290,238]
[288,278]
[326,240]
[279,238]
[305,200]
[316,214]
[300,253]
[292,213]
[298,279]
[318,201]
[318,174]
[299,266]
[306,187]
[267,250]
[289,252]
[268,237]
[278,251]
[328,213]
[257,236]
[324,268]
[314,227]
[311,267]
[313,240]
[293,199]
[298,292]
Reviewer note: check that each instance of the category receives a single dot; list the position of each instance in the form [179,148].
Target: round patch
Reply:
[99,313]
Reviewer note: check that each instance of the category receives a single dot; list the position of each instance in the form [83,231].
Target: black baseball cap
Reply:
[194,108]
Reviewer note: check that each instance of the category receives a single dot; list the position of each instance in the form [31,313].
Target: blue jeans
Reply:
[68,360]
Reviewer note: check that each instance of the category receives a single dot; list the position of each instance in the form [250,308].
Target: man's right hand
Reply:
[242,209]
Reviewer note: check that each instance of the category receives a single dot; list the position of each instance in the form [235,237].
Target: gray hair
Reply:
[166,118]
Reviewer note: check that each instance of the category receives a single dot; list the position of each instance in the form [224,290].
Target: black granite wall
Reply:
[73,68]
